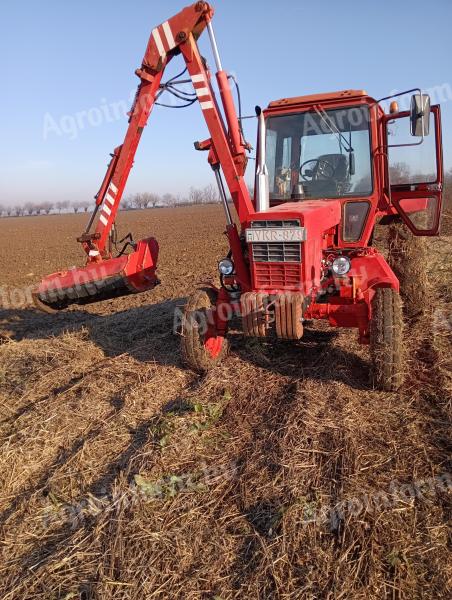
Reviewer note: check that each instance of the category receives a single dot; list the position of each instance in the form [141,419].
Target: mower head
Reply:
[127,274]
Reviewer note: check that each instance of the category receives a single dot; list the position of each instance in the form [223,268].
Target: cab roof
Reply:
[342,95]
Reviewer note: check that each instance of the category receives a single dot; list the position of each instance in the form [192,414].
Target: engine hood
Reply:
[315,215]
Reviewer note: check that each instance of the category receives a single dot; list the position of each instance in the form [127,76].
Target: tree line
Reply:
[139,200]
[142,200]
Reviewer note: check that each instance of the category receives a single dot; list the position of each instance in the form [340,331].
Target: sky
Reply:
[68,77]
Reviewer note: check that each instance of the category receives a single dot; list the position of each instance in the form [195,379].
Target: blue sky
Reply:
[61,59]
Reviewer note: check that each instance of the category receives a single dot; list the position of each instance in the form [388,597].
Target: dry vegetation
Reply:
[123,475]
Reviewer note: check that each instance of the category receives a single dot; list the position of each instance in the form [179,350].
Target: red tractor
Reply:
[329,168]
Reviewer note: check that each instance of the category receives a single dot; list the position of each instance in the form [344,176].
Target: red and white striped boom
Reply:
[226,146]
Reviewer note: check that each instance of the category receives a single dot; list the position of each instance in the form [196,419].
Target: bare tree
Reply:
[61,205]
[147,199]
[46,207]
[205,195]
[195,196]
[127,203]
[76,206]
[210,194]
[85,205]
[399,173]
[169,200]
[139,200]
[180,200]
[29,208]
[152,199]
[18,210]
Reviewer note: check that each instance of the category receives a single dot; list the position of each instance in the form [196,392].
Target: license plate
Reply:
[276,234]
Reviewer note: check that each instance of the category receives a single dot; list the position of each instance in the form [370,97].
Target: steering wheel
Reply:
[321,167]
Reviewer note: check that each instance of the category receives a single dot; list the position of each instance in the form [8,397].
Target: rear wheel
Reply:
[386,328]
[202,348]
[407,257]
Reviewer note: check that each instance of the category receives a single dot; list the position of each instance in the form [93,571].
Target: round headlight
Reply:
[226,266]
[341,265]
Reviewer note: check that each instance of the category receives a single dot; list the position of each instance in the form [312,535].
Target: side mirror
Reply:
[420,115]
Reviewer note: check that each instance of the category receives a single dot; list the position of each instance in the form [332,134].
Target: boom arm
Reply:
[226,147]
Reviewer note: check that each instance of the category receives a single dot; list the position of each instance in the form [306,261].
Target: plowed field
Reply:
[280,474]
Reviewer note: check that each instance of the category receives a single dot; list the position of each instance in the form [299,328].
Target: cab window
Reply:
[411,164]
[328,152]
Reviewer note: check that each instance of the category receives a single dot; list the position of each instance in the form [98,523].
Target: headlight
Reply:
[341,265]
[226,266]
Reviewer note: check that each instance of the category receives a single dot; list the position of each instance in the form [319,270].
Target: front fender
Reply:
[371,271]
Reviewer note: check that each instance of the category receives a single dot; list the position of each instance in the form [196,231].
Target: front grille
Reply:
[277,276]
[277,252]
[276,265]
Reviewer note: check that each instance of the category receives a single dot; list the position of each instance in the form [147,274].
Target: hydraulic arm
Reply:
[104,275]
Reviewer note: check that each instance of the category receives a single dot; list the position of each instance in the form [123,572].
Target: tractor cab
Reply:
[315,150]
[345,147]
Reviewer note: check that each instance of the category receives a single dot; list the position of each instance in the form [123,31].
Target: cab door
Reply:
[415,172]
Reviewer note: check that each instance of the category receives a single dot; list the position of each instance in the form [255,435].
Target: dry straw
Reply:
[98,414]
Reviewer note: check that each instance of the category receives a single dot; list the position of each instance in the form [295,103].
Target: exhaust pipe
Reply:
[262,189]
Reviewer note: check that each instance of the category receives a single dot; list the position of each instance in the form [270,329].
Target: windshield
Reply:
[328,152]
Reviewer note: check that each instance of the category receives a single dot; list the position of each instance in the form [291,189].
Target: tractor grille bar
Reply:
[276,251]
[288,223]
[281,252]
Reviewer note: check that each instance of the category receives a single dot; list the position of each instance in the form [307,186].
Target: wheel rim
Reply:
[212,342]
[213,345]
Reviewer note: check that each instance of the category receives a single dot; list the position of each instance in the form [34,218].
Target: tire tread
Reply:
[193,352]
[386,340]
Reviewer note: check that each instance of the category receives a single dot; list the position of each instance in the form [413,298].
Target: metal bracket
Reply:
[88,237]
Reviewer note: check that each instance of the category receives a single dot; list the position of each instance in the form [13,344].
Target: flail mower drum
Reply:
[110,278]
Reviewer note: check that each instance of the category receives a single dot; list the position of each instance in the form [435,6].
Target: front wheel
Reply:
[202,348]
[386,328]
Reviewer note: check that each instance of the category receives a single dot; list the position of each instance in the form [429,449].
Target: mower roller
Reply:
[326,175]
[126,274]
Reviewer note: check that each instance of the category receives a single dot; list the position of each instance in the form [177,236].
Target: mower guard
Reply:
[111,278]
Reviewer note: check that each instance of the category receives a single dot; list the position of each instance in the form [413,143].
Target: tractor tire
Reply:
[407,257]
[201,352]
[386,328]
